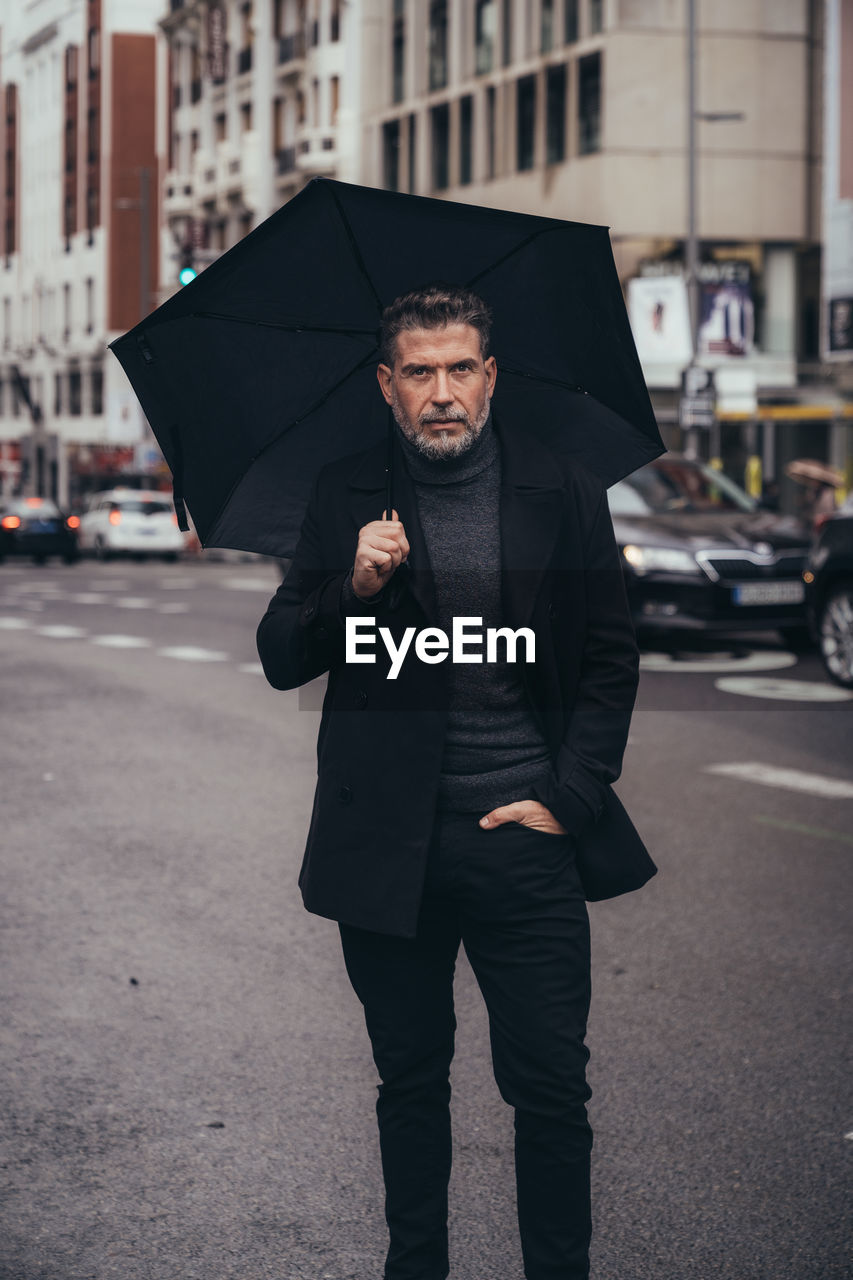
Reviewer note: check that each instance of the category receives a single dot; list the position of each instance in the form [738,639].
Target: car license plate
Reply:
[769,593]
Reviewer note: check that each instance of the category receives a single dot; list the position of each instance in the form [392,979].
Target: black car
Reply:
[36,527]
[701,556]
[829,594]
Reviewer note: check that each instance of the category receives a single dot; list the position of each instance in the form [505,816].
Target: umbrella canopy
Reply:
[263,369]
[809,469]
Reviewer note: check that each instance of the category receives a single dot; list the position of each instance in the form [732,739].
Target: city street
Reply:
[186,1085]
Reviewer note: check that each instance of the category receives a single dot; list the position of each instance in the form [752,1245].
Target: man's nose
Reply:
[441,392]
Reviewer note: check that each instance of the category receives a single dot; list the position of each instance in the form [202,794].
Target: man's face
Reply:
[439,388]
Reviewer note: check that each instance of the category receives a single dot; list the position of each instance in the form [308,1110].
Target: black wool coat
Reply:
[380,743]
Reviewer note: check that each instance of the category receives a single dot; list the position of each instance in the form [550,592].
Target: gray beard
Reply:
[441,448]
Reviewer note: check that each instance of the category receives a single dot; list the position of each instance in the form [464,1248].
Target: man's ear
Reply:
[491,373]
[384,374]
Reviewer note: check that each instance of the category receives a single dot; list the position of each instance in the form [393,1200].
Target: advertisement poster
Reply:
[657,308]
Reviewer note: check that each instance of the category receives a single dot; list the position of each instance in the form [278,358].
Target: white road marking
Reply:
[122,642]
[110,584]
[816,784]
[61,633]
[754,660]
[8,623]
[267,585]
[789,690]
[251,668]
[88,597]
[134,602]
[849,1135]
[177,606]
[36,588]
[177,584]
[188,653]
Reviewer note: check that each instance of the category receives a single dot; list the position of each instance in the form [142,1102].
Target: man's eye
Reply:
[463,367]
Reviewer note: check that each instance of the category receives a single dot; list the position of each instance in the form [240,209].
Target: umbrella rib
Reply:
[356,252]
[296,327]
[517,249]
[541,377]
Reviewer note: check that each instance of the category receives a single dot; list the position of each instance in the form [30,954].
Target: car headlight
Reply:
[659,559]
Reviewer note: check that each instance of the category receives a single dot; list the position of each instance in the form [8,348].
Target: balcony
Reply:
[285,160]
[291,48]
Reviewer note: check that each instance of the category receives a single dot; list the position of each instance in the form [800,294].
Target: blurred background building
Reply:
[143,138]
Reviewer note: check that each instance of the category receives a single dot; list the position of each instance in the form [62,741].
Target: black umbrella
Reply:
[263,369]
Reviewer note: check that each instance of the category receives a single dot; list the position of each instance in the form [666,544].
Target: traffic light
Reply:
[188,269]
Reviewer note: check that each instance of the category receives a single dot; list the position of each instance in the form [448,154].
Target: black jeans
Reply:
[513,896]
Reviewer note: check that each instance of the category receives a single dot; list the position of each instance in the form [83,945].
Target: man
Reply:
[455,788]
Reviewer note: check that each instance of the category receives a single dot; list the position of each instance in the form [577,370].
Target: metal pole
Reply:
[144,242]
[692,248]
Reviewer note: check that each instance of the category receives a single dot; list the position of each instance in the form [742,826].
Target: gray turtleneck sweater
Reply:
[494,750]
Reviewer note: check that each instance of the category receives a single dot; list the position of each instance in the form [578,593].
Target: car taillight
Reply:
[115,517]
[174,517]
[11,522]
[73,522]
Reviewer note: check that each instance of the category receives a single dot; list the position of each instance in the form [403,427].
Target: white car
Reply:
[131,522]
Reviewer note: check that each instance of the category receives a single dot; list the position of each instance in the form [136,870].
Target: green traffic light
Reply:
[186,274]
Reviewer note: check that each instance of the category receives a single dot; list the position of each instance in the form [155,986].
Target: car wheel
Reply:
[797,639]
[835,634]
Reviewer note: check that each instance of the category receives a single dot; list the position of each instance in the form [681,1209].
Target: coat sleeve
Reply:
[301,635]
[590,756]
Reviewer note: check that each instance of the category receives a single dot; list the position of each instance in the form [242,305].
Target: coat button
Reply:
[345,795]
[360,699]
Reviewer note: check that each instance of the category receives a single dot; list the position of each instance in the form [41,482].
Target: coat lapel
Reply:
[530,519]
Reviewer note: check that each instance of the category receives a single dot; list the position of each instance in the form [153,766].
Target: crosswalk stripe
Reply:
[189,653]
[768,775]
[122,642]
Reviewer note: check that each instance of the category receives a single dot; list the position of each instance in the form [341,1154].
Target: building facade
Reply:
[263,95]
[578,109]
[79,249]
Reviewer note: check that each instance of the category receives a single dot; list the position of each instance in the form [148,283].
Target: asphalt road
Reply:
[185,1083]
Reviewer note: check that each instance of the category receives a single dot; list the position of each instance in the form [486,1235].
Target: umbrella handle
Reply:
[389,467]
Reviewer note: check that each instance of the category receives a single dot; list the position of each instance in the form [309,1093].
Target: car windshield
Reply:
[676,485]
[36,508]
[144,506]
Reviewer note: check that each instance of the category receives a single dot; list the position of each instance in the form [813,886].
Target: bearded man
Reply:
[454,798]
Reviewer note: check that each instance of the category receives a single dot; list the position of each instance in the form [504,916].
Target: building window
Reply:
[391,155]
[94,51]
[92,131]
[571,27]
[437,44]
[91,211]
[413,137]
[485,15]
[66,311]
[491,126]
[335,84]
[335,28]
[220,128]
[589,104]
[58,398]
[70,66]
[547,26]
[398,51]
[466,131]
[245,117]
[525,122]
[75,392]
[69,217]
[90,306]
[596,16]
[506,33]
[440,120]
[97,392]
[555,112]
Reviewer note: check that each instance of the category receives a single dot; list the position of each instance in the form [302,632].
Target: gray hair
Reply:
[434,307]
